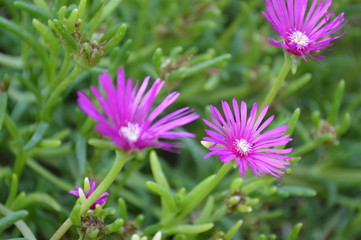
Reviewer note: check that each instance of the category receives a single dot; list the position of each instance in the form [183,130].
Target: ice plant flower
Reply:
[127,116]
[303,28]
[89,187]
[241,138]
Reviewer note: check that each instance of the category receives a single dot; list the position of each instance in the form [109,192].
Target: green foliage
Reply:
[208,51]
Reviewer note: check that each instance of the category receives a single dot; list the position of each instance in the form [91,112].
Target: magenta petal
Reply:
[101,199]
[238,136]
[302,27]
[125,114]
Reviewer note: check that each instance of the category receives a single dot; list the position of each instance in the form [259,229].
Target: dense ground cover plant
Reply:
[71,123]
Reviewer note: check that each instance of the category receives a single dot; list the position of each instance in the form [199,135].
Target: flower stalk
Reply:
[120,159]
[279,81]
[204,192]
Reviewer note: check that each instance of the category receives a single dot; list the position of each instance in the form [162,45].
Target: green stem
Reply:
[171,221]
[20,162]
[120,159]
[203,194]
[62,230]
[65,66]
[279,81]
[220,213]
[77,70]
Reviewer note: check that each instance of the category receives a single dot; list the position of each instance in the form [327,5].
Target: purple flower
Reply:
[239,138]
[127,117]
[303,29]
[79,191]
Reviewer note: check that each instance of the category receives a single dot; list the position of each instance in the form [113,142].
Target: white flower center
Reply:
[131,131]
[242,146]
[299,38]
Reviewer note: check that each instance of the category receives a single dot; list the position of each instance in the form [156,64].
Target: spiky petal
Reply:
[236,136]
[127,117]
[304,27]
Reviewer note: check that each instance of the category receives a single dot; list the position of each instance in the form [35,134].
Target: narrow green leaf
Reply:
[72,20]
[115,39]
[32,9]
[80,152]
[11,218]
[157,171]
[28,38]
[235,185]
[48,35]
[20,224]
[192,199]
[13,190]
[43,5]
[3,104]
[55,152]
[46,174]
[18,200]
[82,8]
[20,239]
[207,211]
[295,231]
[163,193]
[96,19]
[180,237]
[106,212]
[122,209]
[93,233]
[287,191]
[342,127]
[15,62]
[122,57]
[256,184]
[65,35]
[30,86]
[157,61]
[293,121]
[61,13]
[61,134]
[205,65]
[36,198]
[5,172]
[332,117]
[11,127]
[201,25]
[188,229]
[114,226]
[309,146]
[177,74]
[295,85]
[49,143]
[37,136]
[103,144]
[139,219]
[316,119]
[231,232]
[109,8]
[175,52]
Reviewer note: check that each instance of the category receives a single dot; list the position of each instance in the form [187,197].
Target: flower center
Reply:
[131,131]
[299,38]
[242,146]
